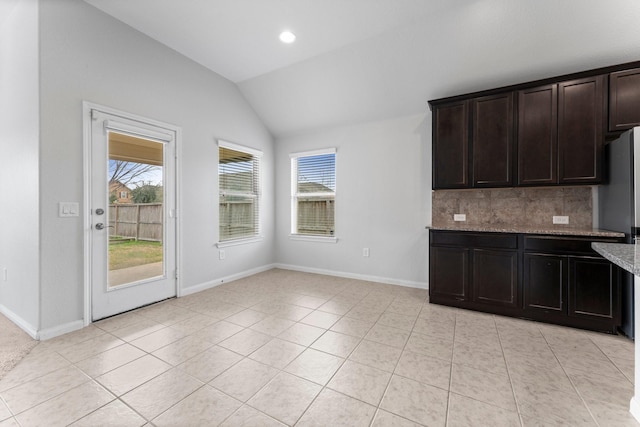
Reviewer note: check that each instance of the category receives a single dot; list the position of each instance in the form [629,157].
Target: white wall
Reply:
[19,230]
[383,201]
[87,55]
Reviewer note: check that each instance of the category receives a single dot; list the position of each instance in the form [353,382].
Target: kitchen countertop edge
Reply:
[623,255]
[557,231]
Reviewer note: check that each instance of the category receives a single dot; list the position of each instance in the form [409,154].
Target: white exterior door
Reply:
[132,193]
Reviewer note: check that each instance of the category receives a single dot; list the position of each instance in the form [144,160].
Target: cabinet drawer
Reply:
[470,239]
[569,245]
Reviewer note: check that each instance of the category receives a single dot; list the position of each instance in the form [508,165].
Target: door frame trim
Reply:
[87,107]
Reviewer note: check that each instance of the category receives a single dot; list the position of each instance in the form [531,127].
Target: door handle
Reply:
[101,226]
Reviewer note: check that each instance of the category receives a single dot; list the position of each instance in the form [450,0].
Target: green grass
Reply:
[133,253]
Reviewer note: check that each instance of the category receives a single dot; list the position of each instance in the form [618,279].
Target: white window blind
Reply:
[239,183]
[313,191]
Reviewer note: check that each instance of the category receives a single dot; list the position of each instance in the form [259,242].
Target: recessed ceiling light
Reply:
[287,37]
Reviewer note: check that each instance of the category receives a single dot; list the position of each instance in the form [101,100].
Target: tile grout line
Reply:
[283,371]
[363,298]
[384,393]
[513,389]
[569,378]
[324,386]
[453,346]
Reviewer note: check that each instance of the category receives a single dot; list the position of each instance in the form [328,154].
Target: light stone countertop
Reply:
[623,255]
[551,230]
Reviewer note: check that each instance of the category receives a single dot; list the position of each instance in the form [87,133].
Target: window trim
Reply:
[239,241]
[294,206]
[258,236]
[312,238]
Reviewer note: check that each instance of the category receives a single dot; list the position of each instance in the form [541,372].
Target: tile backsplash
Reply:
[521,206]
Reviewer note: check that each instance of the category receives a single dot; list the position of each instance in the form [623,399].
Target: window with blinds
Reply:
[313,193]
[239,183]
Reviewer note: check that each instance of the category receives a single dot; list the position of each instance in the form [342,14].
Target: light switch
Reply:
[68,209]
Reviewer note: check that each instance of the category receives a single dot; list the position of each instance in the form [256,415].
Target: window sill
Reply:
[237,242]
[320,239]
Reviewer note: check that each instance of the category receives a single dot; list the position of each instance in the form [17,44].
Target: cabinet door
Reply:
[492,140]
[451,145]
[593,288]
[544,279]
[448,276]
[624,100]
[580,130]
[537,135]
[495,277]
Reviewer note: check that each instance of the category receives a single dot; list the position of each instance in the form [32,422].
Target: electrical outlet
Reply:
[459,217]
[222,254]
[5,275]
[365,252]
[560,219]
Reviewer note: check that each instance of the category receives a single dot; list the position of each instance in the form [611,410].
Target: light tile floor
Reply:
[288,348]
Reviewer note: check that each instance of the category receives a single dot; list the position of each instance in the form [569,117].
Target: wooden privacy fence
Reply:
[237,218]
[316,216]
[140,221]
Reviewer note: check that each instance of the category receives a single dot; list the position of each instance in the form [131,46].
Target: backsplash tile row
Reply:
[522,206]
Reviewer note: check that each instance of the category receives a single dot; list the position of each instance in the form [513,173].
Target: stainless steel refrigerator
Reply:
[619,205]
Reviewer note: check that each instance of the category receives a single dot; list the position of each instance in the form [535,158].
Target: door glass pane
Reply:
[135,214]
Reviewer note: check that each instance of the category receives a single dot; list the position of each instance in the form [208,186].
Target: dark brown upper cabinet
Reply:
[560,133]
[624,100]
[537,135]
[547,132]
[580,130]
[492,140]
[451,146]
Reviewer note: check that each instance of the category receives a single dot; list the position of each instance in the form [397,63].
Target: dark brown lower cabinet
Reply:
[565,281]
[544,278]
[450,273]
[553,279]
[474,270]
[588,298]
[495,277]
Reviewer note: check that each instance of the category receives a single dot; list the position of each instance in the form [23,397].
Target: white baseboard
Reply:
[369,278]
[213,283]
[20,322]
[49,333]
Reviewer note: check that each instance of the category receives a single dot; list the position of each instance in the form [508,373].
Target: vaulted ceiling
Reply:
[363,60]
